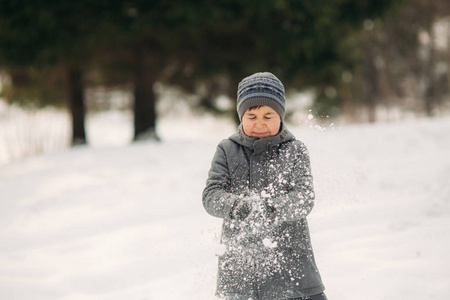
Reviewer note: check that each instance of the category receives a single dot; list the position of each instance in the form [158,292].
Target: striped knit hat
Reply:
[261,89]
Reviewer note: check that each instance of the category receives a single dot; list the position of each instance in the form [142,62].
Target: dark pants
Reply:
[313,297]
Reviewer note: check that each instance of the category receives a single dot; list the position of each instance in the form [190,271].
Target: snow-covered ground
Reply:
[118,221]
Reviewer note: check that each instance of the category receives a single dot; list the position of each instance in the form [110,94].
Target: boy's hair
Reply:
[255,107]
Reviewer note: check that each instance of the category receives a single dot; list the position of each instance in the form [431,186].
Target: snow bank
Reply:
[126,221]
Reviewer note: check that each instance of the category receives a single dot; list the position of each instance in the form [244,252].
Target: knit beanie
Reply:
[261,89]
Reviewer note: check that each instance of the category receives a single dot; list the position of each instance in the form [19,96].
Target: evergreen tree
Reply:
[61,34]
[303,42]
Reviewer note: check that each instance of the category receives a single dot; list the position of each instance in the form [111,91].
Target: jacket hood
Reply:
[262,144]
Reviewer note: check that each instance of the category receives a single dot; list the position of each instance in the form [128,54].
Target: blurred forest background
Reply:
[352,60]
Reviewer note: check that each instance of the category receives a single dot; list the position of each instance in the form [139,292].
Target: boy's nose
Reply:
[260,124]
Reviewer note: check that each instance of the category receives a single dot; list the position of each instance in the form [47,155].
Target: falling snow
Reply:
[126,222]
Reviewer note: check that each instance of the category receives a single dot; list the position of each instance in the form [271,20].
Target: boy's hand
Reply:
[241,209]
[269,211]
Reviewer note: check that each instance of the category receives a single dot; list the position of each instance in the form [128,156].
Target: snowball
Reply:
[268,243]
[264,194]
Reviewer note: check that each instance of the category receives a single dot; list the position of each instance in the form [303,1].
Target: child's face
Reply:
[261,122]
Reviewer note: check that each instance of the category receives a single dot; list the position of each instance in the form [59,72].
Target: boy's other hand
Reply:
[241,209]
[269,211]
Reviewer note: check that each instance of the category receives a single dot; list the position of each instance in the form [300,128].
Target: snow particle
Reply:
[268,243]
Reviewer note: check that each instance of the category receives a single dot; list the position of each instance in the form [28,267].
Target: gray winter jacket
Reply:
[265,258]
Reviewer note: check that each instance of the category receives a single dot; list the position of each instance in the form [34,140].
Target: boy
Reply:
[261,185]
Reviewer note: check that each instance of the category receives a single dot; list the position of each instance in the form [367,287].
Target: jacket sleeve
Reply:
[298,202]
[217,200]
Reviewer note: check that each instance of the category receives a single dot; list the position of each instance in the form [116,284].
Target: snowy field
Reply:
[117,221]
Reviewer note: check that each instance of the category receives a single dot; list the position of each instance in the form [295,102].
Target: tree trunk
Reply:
[347,103]
[429,73]
[144,99]
[370,94]
[76,105]
[232,94]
